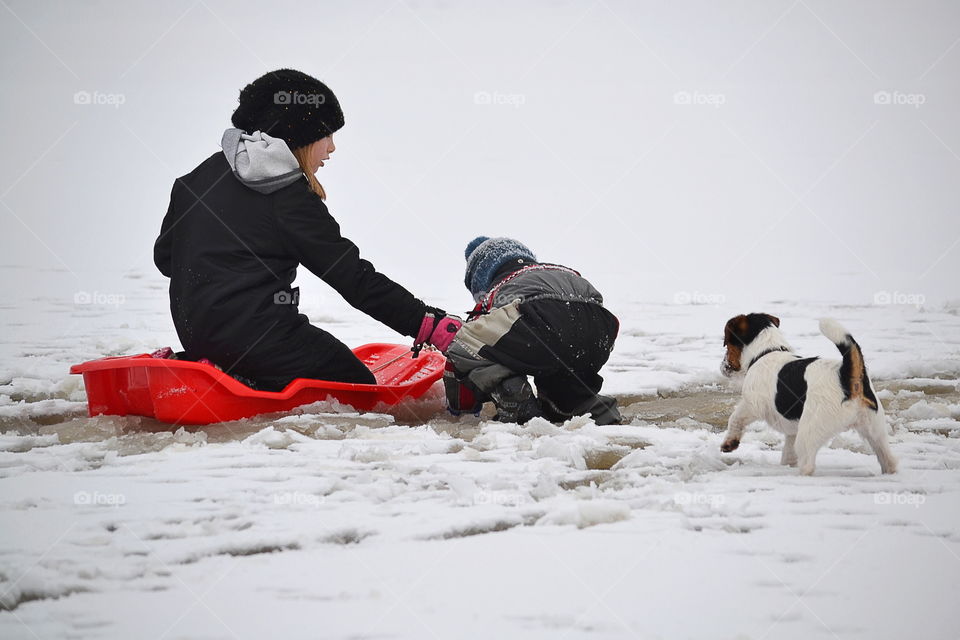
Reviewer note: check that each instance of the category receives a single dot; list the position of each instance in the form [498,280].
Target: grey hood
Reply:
[259,161]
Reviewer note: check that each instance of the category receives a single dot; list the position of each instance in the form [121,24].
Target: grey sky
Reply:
[666,149]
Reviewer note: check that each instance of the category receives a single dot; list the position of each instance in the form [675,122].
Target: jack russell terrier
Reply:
[809,400]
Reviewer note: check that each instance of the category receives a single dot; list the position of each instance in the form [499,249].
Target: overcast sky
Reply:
[747,151]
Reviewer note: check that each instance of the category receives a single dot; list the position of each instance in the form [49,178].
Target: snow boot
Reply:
[462,397]
[603,410]
[515,401]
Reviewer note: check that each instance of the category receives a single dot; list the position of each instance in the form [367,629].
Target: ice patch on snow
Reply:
[924,409]
[587,513]
[16,443]
[271,438]
[940,425]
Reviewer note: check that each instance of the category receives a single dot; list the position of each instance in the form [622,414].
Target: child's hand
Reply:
[437,329]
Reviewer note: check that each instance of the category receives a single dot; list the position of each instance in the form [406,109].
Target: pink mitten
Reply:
[437,329]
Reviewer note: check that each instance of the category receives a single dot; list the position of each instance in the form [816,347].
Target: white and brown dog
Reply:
[809,400]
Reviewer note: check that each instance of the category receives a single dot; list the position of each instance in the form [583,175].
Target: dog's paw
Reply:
[729,445]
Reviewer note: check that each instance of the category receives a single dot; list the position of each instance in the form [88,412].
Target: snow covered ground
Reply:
[325,523]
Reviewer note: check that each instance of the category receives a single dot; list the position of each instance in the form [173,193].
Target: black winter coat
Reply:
[232,253]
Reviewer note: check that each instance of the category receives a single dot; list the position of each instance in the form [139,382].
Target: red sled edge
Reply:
[185,392]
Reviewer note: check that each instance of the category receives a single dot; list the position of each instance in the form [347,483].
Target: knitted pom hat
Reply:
[290,105]
[484,258]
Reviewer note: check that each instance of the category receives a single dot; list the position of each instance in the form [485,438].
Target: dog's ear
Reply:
[733,334]
[774,319]
[736,326]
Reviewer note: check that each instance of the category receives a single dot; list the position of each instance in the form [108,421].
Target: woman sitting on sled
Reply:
[239,225]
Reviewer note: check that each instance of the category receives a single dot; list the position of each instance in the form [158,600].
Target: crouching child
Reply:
[531,319]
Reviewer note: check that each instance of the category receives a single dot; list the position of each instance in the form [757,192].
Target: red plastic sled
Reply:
[184,392]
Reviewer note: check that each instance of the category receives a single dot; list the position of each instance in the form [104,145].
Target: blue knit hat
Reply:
[484,258]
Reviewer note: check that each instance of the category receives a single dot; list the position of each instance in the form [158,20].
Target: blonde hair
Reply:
[302,155]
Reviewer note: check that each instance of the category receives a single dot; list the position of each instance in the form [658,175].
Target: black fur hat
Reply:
[290,105]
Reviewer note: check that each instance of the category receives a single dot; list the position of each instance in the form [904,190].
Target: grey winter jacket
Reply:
[541,282]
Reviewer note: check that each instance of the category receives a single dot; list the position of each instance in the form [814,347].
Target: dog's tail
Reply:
[853,371]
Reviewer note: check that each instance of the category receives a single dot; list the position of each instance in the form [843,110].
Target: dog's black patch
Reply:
[792,388]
